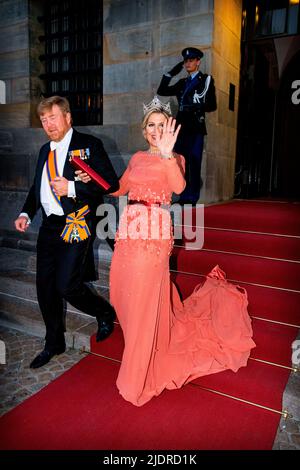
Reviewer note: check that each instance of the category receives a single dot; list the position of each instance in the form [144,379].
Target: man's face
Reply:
[56,123]
[191,65]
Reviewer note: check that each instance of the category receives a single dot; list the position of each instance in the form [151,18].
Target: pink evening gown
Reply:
[168,342]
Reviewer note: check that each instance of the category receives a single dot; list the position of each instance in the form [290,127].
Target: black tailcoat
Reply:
[90,194]
[63,268]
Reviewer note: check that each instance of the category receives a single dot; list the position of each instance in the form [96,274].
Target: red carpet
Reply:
[269,217]
[264,333]
[266,302]
[253,244]
[83,410]
[237,267]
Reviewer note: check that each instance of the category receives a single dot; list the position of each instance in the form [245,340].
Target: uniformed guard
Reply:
[196,95]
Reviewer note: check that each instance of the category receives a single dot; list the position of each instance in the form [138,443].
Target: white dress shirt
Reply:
[48,202]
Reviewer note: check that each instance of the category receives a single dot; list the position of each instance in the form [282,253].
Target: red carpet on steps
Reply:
[265,245]
[237,267]
[265,334]
[274,304]
[269,217]
[83,409]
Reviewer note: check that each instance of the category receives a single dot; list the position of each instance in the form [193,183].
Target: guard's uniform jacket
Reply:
[195,97]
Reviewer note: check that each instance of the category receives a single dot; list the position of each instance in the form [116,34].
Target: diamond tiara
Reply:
[156,104]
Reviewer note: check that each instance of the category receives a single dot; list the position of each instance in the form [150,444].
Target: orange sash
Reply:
[52,172]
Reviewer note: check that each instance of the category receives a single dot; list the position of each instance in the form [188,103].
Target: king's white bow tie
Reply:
[53,145]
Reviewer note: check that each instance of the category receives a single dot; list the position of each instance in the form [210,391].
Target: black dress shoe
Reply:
[45,356]
[105,328]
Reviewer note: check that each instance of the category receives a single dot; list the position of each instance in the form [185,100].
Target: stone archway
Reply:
[286,166]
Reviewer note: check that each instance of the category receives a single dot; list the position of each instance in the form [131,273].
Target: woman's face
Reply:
[154,128]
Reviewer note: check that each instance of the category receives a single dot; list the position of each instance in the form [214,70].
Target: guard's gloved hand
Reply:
[176,70]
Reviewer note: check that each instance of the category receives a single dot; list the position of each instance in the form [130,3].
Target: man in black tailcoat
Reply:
[196,96]
[65,242]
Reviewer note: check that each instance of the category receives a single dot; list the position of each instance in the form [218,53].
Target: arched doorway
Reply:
[258,87]
[286,154]
[267,159]
[268,155]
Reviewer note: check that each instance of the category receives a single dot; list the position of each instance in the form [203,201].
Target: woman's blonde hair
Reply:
[149,113]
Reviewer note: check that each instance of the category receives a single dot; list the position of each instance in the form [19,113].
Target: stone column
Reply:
[219,157]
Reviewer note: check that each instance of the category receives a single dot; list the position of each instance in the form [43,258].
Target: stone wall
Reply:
[14,63]
[219,158]
[142,40]
[36,48]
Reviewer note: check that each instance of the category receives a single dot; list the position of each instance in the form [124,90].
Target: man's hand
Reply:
[21,223]
[60,186]
[84,177]
[177,69]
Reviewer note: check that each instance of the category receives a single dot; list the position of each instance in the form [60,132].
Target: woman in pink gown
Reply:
[167,343]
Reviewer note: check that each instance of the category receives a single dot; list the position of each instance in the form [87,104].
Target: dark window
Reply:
[271,17]
[265,18]
[231,96]
[73,56]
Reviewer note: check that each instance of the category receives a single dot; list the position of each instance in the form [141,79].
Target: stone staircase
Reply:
[18,300]
[19,307]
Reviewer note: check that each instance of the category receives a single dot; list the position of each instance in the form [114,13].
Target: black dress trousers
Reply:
[61,269]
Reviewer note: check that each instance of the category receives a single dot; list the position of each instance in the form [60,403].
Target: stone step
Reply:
[13,258]
[22,282]
[23,314]
[21,254]
[17,259]
[22,285]
[18,299]
[19,307]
